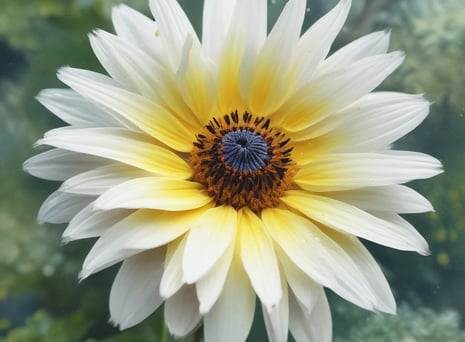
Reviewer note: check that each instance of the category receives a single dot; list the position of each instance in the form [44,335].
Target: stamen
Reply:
[244,150]
[243,161]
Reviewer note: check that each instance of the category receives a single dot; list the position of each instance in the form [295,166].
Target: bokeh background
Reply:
[40,297]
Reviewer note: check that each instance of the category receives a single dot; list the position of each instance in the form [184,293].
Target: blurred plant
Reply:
[432,34]
[409,325]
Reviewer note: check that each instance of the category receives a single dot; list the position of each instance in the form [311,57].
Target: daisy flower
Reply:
[246,164]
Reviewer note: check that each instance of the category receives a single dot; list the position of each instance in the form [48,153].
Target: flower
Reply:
[243,165]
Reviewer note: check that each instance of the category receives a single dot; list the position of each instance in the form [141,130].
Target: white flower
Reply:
[244,165]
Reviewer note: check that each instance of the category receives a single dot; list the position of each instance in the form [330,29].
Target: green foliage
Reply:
[409,325]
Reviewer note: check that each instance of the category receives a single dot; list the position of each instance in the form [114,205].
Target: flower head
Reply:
[245,164]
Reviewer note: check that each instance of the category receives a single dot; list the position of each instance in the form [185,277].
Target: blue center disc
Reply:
[244,150]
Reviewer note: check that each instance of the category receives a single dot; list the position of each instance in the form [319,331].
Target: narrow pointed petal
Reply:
[154,193]
[335,90]
[238,55]
[174,27]
[208,240]
[171,280]
[60,207]
[395,198]
[90,223]
[181,311]
[378,120]
[370,268]
[317,40]
[372,44]
[347,171]
[271,80]
[259,259]
[57,164]
[133,301]
[217,17]
[125,146]
[147,115]
[349,219]
[143,230]
[195,81]
[99,180]
[210,286]
[277,318]
[318,256]
[138,29]
[74,109]
[134,69]
[230,319]
[311,325]
[303,287]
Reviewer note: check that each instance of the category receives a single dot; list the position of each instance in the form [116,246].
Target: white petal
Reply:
[378,120]
[138,29]
[143,230]
[89,223]
[395,198]
[271,81]
[369,268]
[277,318]
[409,230]
[210,286]
[148,116]
[335,90]
[304,288]
[231,317]
[60,207]
[134,294]
[217,17]
[133,69]
[182,311]
[317,40]
[349,219]
[347,171]
[311,325]
[318,256]
[375,43]
[171,281]
[121,145]
[174,27]
[154,193]
[74,109]
[99,180]
[250,29]
[195,81]
[208,240]
[58,164]
[259,259]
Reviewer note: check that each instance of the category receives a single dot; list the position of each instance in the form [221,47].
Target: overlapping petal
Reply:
[230,319]
[350,219]
[259,258]
[142,230]
[130,301]
[122,145]
[59,165]
[208,240]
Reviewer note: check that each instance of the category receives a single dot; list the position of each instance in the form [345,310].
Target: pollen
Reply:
[243,161]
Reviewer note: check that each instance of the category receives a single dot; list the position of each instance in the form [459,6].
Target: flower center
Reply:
[244,150]
[243,162]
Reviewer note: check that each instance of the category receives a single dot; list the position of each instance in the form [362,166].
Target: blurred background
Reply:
[40,297]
